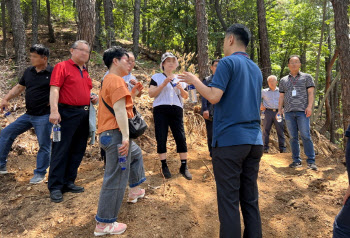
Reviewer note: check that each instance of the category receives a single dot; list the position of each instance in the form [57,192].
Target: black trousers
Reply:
[270,118]
[67,154]
[165,116]
[209,127]
[236,171]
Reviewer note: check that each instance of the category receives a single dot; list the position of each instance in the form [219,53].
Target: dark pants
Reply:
[341,226]
[236,172]
[209,127]
[270,118]
[166,116]
[68,153]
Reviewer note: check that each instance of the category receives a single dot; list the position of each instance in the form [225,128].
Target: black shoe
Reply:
[72,188]
[283,150]
[166,172]
[266,151]
[186,173]
[295,165]
[56,196]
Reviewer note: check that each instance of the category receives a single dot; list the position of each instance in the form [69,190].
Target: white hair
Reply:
[272,76]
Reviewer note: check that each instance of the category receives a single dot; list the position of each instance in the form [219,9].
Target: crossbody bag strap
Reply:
[108,107]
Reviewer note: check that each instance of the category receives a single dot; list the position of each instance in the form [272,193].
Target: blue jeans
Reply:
[42,128]
[297,121]
[115,179]
[341,226]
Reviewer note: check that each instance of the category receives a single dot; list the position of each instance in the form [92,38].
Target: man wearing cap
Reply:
[269,106]
[69,100]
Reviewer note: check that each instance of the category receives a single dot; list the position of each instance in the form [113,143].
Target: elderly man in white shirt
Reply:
[269,107]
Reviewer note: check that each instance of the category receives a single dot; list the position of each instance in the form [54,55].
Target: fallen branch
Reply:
[208,169]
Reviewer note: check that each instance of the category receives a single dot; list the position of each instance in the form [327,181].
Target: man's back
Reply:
[237,113]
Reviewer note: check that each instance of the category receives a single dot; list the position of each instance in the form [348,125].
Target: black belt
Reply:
[74,107]
[274,110]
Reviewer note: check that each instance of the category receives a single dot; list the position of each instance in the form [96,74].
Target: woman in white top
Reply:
[168,111]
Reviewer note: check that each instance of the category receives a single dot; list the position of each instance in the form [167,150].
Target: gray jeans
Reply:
[114,179]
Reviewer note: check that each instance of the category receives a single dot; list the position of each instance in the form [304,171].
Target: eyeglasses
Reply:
[294,63]
[85,51]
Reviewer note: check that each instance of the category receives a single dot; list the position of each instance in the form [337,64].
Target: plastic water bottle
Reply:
[9,117]
[121,159]
[56,133]
[262,116]
[279,117]
[193,93]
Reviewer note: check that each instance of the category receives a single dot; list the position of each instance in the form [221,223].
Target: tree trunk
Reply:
[3,21]
[98,27]
[19,36]
[334,107]
[218,12]
[34,22]
[202,39]
[136,31]
[49,24]
[144,23]
[328,84]
[86,21]
[265,63]
[317,115]
[341,23]
[319,57]
[303,53]
[252,45]
[109,22]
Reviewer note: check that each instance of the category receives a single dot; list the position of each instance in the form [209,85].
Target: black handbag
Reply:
[137,126]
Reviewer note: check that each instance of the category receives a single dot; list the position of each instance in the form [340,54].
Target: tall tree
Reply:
[202,39]
[3,21]
[144,23]
[341,23]
[19,36]
[34,22]
[265,63]
[109,22]
[329,66]
[98,27]
[218,12]
[319,55]
[49,24]
[86,21]
[136,31]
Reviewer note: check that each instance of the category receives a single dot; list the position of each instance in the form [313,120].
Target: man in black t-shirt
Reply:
[36,83]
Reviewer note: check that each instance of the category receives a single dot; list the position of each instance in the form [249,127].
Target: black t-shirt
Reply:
[37,90]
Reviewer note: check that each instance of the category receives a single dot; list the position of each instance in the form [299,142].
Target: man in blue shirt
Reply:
[341,226]
[237,138]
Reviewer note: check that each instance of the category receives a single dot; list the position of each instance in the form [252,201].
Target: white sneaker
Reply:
[3,170]
[38,178]
[114,228]
[134,196]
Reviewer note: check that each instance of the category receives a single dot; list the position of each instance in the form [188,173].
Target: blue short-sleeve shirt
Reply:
[237,114]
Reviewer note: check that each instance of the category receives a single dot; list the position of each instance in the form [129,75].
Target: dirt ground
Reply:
[294,203]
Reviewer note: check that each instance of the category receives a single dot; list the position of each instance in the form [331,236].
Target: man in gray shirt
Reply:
[297,96]
[269,106]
